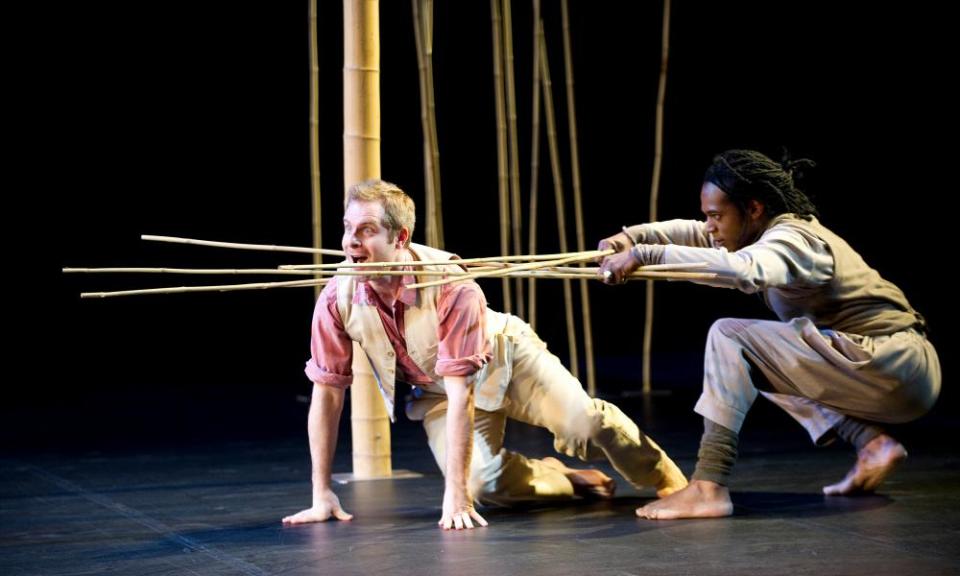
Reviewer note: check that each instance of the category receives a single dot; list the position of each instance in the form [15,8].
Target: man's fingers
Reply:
[467,523]
[457,521]
[476,516]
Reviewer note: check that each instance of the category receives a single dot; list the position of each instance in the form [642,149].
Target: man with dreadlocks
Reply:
[848,353]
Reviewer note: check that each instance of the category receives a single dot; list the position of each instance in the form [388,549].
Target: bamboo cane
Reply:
[655,192]
[221,288]
[370,422]
[573,257]
[437,214]
[234,245]
[269,271]
[515,216]
[577,201]
[542,274]
[315,212]
[534,160]
[508,268]
[558,196]
[502,183]
[207,271]
[428,181]
[461,261]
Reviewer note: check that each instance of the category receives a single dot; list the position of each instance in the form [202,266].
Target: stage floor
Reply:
[215,508]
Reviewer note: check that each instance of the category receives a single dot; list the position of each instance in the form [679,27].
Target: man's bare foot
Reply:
[588,482]
[875,462]
[673,478]
[700,499]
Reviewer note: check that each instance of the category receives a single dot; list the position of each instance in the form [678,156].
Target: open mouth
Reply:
[358,259]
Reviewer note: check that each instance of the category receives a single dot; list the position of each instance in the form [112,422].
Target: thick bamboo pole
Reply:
[502,183]
[560,200]
[655,191]
[577,201]
[361,161]
[315,138]
[515,212]
[534,160]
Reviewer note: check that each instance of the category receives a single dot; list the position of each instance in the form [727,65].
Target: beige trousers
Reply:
[542,392]
[817,376]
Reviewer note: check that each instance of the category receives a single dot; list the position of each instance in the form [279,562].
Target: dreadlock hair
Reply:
[749,175]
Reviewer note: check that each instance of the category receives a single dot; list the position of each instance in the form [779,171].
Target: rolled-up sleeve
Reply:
[331,350]
[461,311]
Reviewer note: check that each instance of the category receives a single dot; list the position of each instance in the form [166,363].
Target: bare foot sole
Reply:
[700,499]
[588,483]
[877,460]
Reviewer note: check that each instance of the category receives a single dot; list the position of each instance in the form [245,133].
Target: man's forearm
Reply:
[459,430]
[323,423]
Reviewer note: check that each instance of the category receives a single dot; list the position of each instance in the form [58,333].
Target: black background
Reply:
[191,119]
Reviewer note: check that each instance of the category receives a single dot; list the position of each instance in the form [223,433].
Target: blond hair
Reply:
[399,210]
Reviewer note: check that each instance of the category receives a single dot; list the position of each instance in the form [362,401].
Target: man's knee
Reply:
[729,328]
[585,429]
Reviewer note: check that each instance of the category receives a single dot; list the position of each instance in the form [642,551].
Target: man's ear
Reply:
[403,236]
[756,209]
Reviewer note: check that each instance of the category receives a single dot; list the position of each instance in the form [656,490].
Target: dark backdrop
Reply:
[190,119]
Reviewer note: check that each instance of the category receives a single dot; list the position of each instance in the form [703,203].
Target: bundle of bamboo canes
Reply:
[540,266]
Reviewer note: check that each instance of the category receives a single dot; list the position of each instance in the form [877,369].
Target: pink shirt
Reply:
[462,346]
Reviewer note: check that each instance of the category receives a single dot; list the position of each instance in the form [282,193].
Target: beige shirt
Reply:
[801,268]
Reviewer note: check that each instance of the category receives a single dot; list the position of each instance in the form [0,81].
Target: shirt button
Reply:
[390,354]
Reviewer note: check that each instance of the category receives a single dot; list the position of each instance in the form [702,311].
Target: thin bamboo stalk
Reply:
[575,257]
[655,192]
[315,211]
[234,245]
[560,200]
[541,274]
[257,271]
[432,118]
[502,183]
[508,268]
[647,268]
[534,159]
[461,261]
[577,201]
[207,271]
[429,192]
[651,275]
[221,288]
[515,216]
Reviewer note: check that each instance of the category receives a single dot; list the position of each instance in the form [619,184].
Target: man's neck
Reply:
[388,288]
